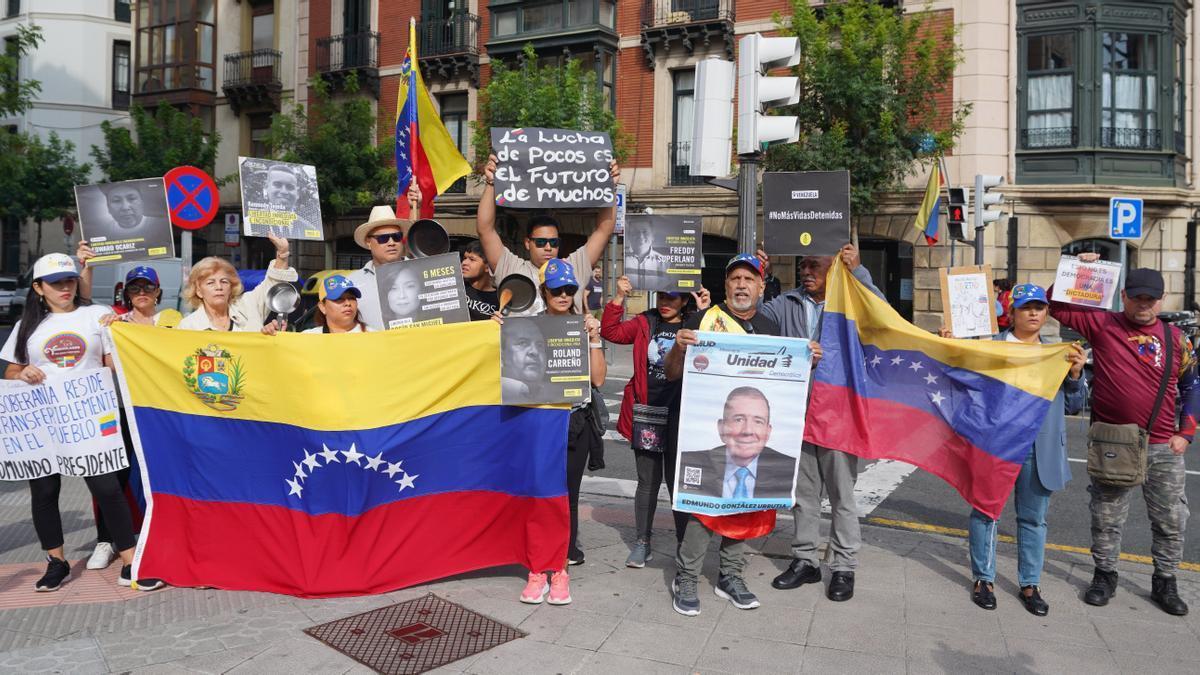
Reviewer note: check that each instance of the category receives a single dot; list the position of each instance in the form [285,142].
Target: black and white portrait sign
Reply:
[553,168]
[662,253]
[422,292]
[280,198]
[544,359]
[125,221]
[806,212]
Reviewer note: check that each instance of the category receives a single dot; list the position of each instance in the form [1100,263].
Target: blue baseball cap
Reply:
[1023,294]
[557,273]
[335,286]
[142,272]
[744,259]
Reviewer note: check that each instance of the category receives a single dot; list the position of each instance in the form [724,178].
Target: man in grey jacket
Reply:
[798,313]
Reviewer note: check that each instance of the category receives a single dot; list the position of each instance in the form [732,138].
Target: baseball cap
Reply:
[1144,281]
[335,286]
[1023,294]
[744,259]
[142,272]
[557,273]
[54,267]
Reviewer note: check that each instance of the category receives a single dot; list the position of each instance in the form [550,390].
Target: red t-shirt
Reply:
[1127,367]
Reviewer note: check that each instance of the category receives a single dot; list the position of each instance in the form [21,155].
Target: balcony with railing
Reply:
[1130,139]
[252,82]
[340,55]
[679,156]
[558,25]
[688,22]
[1049,138]
[449,47]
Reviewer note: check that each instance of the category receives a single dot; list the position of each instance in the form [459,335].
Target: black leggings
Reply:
[105,489]
[581,437]
[652,469]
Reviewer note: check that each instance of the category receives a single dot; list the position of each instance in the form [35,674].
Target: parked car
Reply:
[16,306]
[8,286]
[108,281]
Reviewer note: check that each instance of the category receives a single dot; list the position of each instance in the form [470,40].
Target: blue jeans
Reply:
[1030,500]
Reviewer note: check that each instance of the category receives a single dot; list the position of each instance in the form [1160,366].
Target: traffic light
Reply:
[757,92]
[984,199]
[712,119]
[956,221]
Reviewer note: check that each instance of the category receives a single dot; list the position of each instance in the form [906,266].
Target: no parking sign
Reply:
[192,197]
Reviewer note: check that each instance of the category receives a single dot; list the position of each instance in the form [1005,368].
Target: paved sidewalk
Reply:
[911,613]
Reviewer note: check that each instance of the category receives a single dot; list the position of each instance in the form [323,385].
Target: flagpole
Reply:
[945,174]
[412,155]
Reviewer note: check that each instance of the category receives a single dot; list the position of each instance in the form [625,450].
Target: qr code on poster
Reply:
[691,475]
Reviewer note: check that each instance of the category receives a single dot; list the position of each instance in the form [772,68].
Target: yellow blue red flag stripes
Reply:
[316,465]
[965,410]
[927,216]
[425,152]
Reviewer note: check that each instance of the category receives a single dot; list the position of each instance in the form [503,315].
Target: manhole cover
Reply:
[413,636]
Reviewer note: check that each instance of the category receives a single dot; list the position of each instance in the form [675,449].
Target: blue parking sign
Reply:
[1125,218]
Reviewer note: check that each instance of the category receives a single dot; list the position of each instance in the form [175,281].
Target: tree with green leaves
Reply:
[551,96]
[337,135]
[156,144]
[16,95]
[39,179]
[869,78]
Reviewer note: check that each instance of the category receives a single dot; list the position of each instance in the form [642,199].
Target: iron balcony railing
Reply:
[1130,139]
[458,34]
[260,66]
[1050,137]
[348,52]
[666,12]
[680,154]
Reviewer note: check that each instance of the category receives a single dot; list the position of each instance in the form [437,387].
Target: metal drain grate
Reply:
[414,636]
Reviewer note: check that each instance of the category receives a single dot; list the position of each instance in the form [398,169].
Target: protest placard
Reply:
[553,168]
[544,359]
[280,198]
[743,403]
[806,212]
[422,292]
[662,253]
[125,221]
[1087,284]
[66,425]
[968,305]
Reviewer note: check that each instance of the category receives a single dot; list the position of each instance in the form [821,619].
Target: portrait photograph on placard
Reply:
[553,168]
[125,221]
[422,292]
[662,253]
[806,212]
[280,198]
[968,306]
[544,359]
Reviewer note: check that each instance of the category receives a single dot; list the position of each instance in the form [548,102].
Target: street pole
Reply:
[977,213]
[1121,280]
[748,203]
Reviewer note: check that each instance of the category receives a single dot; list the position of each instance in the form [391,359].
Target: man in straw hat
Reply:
[383,236]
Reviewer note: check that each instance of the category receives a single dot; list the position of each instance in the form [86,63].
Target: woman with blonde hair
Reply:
[215,290]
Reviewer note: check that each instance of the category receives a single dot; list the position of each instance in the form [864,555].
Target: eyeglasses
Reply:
[141,290]
[543,242]
[397,237]
[563,290]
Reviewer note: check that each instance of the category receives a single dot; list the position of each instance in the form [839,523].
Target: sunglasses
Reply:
[141,290]
[397,237]
[563,290]
[543,242]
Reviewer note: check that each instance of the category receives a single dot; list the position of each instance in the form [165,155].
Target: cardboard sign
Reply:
[544,359]
[743,403]
[553,168]
[806,212]
[125,221]
[66,425]
[662,253]
[280,198]
[968,304]
[422,292]
[1087,284]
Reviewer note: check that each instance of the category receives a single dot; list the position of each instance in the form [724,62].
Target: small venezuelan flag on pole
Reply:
[927,216]
[424,150]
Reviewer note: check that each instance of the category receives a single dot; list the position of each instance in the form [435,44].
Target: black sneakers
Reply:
[141,584]
[1104,586]
[1164,592]
[57,571]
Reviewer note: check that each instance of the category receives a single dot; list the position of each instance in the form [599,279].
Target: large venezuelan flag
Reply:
[322,465]
[965,410]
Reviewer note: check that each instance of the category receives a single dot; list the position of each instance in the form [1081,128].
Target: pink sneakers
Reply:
[536,589]
[560,588]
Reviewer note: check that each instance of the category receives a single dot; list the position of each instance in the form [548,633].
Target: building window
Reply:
[553,16]
[120,75]
[1180,103]
[13,77]
[1129,106]
[684,97]
[454,116]
[1049,103]
[262,27]
[176,45]
[13,9]
[260,129]
[121,11]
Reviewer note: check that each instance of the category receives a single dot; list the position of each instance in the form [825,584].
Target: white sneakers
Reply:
[102,557]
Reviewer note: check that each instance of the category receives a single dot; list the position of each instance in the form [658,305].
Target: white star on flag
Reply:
[300,475]
[329,455]
[915,365]
[931,379]
[393,469]
[295,487]
[897,361]
[310,461]
[353,455]
[374,462]
[407,481]
[876,361]
[937,398]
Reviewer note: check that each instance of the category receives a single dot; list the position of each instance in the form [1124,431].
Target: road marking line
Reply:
[1084,461]
[962,534]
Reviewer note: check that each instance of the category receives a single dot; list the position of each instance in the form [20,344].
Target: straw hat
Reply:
[380,216]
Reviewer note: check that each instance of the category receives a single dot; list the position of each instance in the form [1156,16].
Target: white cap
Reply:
[53,267]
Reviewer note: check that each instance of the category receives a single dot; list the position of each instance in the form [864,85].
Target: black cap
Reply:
[1144,281]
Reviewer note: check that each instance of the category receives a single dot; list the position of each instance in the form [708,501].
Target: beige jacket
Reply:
[249,311]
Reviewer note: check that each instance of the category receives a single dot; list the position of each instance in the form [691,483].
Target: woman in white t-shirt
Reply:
[337,307]
[58,331]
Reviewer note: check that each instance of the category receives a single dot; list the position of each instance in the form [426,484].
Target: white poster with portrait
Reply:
[280,198]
